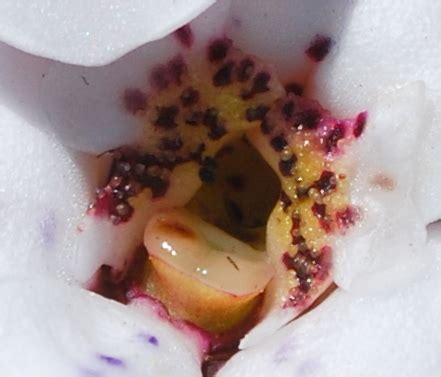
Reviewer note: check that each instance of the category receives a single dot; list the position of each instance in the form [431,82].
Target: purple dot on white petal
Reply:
[48,227]
[113,361]
[153,340]
[150,339]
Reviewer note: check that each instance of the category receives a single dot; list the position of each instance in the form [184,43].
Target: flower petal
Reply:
[66,331]
[383,45]
[280,31]
[358,336]
[84,107]
[91,32]
[390,230]
[46,189]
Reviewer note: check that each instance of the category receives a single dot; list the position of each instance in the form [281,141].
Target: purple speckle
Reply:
[319,48]
[153,340]
[150,339]
[112,361]
[185,36]
[333,137]
[47,228]
[360,123]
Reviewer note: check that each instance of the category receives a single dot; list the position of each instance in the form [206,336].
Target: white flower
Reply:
[64,66]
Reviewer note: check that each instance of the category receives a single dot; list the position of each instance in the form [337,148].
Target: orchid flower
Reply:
[76,78]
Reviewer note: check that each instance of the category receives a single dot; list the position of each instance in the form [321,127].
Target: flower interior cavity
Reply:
[269,190]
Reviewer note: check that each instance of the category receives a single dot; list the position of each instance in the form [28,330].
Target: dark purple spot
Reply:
[153,340]
[308,119]
[113,361]
[285,201]
[326,183]
[260,82]
[185,35]
[223,76]
[294,88]
[206,175]
[360,123]
[336,134]
[150,339]
[298,239]
[296,222]
[157,185]
[266,127]
[189,97]
[286,166]
[176,68]
[166,117]
[218,49]
[319,210]
[278,143]
[287,261]
[210,117]
[288,110]
[260,85]
[302,264]
[206,172]
[245,70]
[159,78]
[134,100]
[319,48]
[347,217]
[256,113]
[217,131]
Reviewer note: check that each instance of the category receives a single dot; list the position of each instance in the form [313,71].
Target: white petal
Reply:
[386,44]
[83,106]
[382,175]
[280,31]
[54,330]
[91,32]
[45,192]
[44,189]
[382,335]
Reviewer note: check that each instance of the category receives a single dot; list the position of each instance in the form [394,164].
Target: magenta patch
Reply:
[347,218]
[185,36]
[360,123]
